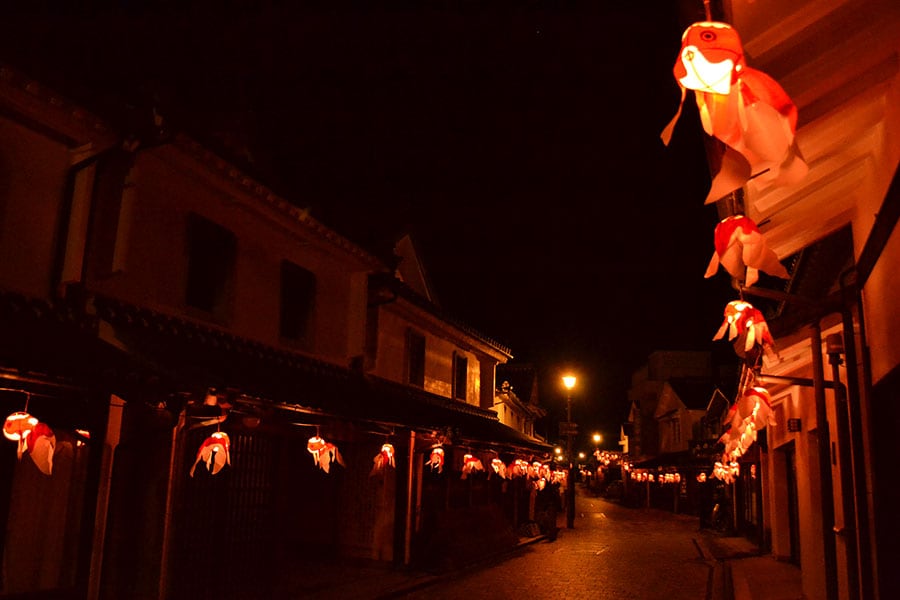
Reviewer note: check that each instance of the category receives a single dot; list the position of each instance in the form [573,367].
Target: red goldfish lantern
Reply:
[756,406]
[747,327]
[517,468]
[499,467]
[41,445]
[436,459]
[324,453]
[471,464]
[17,427]
[741,248]
[383,460]
[742,107]
[214,453]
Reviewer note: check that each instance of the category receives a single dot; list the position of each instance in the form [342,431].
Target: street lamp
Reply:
[569,382]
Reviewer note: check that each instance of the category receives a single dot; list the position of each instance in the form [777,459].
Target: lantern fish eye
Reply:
[707,36]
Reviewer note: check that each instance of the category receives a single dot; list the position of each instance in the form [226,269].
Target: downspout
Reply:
[825,481]
[410,469]
[834,346]
[857,450]
[162,592]
[111,442]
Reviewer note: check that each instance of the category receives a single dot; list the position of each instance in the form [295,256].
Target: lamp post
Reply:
[569,382]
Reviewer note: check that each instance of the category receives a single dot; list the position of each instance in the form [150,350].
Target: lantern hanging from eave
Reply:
[383,460]
[323,453]
[742,107]
[471,464]
[214,452]
[519,468]
[41,444]
[436,459]
[499,467]
[17,427]
[756,406]
[741,248]
[747,328]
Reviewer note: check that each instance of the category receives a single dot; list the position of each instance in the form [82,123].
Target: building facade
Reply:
[825,466]
[218,375]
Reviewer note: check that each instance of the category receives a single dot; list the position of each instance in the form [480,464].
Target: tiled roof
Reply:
[193,357]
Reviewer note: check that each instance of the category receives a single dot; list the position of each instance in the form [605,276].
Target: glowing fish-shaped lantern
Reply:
[471,464]
[742,107]
[324,453]
[214,453]
[17,427]
[747,327]
[499,467]
[756,406]
[518,468]
[750,414]
[741,249]
[436,459]
[383,460]
[41,445]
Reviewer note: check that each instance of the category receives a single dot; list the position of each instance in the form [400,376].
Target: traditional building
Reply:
[827,466]
[231,390]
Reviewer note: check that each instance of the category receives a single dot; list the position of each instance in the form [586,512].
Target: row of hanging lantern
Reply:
[608,457]
[645,476]
[756,122]
[214,454]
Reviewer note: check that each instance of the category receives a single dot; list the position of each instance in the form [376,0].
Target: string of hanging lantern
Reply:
[755,120]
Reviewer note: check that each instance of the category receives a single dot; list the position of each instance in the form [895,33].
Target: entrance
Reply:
[790,456]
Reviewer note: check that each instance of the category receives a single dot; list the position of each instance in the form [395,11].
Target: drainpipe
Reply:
[856,445]
[834,346]
[410,469]
[824,452]
[113,434]
[162,592]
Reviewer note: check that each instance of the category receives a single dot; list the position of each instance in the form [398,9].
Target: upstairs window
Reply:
[298,300]
[460,376]
[415,358]
[211,258]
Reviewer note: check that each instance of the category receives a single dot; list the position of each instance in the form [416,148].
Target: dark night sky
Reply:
[518,143]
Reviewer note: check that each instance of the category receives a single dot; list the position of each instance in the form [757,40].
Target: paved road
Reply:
[613,553]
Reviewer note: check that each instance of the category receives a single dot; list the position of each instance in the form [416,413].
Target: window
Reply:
[298,297]
[415,358]
[460,376]
[211,255]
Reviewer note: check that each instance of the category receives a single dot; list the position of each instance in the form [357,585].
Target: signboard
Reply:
[794,425]
[568,428]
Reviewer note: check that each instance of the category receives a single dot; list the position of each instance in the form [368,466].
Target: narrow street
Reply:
[613,553]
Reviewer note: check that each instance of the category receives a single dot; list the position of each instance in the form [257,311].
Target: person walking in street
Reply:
[546,508]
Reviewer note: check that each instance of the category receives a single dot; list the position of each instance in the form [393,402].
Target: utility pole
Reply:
[569,382]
